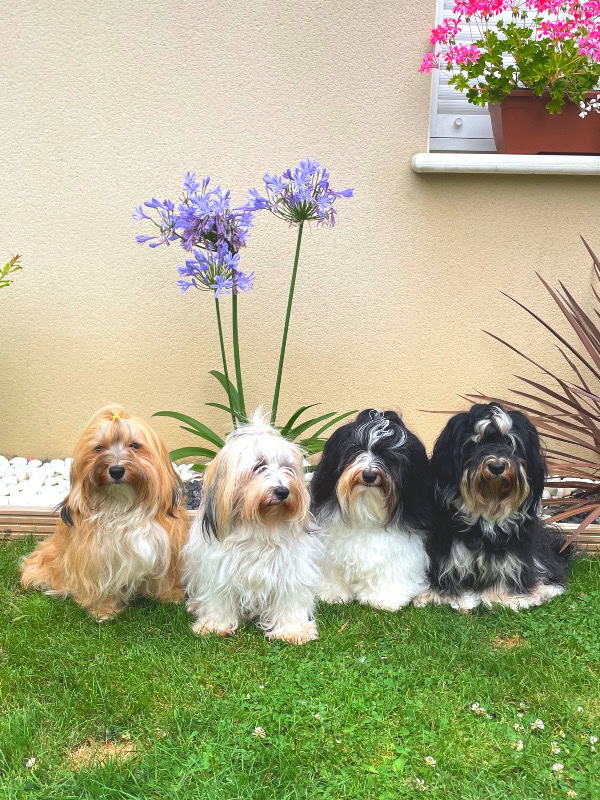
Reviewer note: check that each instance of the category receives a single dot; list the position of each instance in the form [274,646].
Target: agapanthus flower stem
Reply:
[286,326]
[236,352]
[224,359]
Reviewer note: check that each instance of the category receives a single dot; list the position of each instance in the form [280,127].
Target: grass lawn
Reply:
[140,708]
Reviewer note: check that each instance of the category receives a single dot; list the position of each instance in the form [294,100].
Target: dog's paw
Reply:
[204,626]
[428,597]
[465,602]
[383,602]
[295,634]
[335,597]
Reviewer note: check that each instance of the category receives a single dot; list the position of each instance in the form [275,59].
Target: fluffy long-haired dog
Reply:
[488,543]
[251,553]
[122,525]
[371,497]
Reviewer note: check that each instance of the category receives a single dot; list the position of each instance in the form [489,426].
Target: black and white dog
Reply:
[488,543]
[372,499]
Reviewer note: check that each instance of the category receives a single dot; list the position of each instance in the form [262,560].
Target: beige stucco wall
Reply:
[105,104]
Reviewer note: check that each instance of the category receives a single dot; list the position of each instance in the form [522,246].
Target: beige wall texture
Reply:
[105,104]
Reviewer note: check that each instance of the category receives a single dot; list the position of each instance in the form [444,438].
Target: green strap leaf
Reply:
[312,446]
[235,398]
[198,427]
[308,424]
[333,422]
[239,415]
[188,452]
[199,467]
[295,416]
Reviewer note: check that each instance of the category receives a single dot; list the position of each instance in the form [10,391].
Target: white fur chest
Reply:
[255,568]
[132,548]
[385,568]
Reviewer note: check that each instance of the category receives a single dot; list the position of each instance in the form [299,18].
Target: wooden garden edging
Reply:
[18,523]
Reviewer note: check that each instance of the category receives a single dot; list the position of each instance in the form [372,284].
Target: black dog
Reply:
[488,543]
[372,498]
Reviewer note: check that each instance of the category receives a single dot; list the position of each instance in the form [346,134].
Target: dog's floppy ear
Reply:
[65,513]
[219,495]
[534,456]
[446,459]
[417,493]
[331,465]
[177,496]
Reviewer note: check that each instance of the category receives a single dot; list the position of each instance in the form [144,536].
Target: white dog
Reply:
[251,553]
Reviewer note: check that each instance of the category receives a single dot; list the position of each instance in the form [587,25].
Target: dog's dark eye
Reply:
[258,466]
[99,448]
[135,446]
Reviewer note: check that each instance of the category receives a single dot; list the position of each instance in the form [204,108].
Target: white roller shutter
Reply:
[456,124]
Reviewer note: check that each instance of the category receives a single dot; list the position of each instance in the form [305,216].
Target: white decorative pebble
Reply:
[51,480]
[10,480]
[4,490]
[35,462]
[18,461]
[3,465]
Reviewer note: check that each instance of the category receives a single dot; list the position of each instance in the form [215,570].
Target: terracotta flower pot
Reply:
[521,124]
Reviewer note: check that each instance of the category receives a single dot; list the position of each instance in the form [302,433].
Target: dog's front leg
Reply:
[103,610]
[291,620]
[217,613]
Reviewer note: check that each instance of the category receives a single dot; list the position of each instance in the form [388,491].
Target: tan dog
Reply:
[122,525]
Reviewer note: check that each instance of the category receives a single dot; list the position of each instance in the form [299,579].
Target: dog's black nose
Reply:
[369,476]
[281,492]
[496,467]
[116,473]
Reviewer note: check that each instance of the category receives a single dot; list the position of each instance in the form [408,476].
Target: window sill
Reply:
[492,163]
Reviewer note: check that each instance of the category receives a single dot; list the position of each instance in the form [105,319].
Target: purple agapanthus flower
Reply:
[301,195]
[205,225]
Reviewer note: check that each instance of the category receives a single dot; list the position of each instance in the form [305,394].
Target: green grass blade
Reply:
[198,427]
[333,422]
[295,416]
[294,432]
[231,392]
[189,452]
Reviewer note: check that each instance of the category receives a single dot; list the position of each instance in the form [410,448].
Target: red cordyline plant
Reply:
[566,409]
[551,47]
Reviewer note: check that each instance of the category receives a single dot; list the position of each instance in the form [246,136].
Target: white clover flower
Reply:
[517,727]
[338,741]
[518,745]
[478,709]
[520,714]
[593,739]
[420,784]
[30,763]
[522,706]
[247,697]
[259,732]
[430,761]
[579,709]
[317,716]
[558,767]
[571,793]
[555,748]
[537,725]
